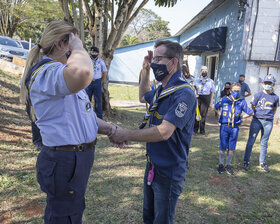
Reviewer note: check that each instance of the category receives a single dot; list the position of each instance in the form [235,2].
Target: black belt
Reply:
[266,119]
[75,148]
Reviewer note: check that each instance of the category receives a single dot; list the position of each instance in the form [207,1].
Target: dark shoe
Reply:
[204,134]
[221,168]
[265,167]
[229,170]
[246,166]
[195,133]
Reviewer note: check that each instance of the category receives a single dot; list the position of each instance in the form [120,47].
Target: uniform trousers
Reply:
[203,104]
[95,89]
[63,176]
[160,198]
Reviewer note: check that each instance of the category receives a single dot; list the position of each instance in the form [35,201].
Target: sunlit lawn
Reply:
[114,193]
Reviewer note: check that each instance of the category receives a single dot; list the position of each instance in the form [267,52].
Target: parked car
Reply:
[10,48]
[25,44]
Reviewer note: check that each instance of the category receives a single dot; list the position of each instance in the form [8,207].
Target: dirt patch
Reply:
[217,181]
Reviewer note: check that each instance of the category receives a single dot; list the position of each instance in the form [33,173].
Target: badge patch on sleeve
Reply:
[88,106]
[181,109]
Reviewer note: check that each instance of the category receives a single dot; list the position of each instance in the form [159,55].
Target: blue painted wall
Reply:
[127,62]
[231,64]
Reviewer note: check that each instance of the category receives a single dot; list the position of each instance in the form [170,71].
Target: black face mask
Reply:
[94,56]
[204,74]
[227,88]
[67,54]
[240,81]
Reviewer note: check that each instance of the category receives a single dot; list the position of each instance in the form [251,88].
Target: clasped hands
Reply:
[117,136]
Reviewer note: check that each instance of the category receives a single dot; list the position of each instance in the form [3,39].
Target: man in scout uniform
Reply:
[99,75]
[229,109]
[171,118]
[264,104]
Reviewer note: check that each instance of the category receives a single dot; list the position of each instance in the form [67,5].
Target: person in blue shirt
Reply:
[57,70]
[264,104]
[171,118]
[245,90]
[205,89]
[230,109]
[99,75]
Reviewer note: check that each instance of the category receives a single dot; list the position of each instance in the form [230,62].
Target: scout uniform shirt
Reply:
[64,118]
[206,86]
[170,156]
[98,68]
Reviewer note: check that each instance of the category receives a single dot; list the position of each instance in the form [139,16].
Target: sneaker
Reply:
[221,168]
[246,166]
[265,167]
[195,133]
[229,170]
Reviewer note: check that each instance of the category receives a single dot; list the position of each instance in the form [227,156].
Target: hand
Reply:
[118,137]
[148,60]
[75,42]
[210,107]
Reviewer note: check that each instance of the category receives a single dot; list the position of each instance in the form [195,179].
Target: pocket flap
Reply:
[82,95]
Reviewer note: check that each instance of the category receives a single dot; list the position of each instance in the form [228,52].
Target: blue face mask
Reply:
[236,95]
[268,87]
[160,71]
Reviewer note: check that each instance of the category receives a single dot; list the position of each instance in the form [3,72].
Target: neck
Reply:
[167,78]
[267,91]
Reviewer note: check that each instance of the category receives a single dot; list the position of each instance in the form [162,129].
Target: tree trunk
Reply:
[98,26]
[82,30]
[75,17]
[66,12]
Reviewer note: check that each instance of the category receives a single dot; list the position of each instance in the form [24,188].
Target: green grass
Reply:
[123,92]
[115,191]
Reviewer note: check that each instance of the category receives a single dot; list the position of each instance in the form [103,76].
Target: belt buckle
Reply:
[80,148]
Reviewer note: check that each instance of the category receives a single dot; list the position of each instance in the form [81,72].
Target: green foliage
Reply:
[164,3]
[129,40]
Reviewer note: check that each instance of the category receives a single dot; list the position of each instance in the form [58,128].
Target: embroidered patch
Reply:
[88,106]
[181,109]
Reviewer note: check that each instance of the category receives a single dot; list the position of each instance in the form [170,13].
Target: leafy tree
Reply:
[147,26]
[129,40]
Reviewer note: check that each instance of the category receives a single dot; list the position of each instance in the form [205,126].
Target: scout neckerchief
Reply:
[203,84]
[161,94]
[232,113]
[30,78]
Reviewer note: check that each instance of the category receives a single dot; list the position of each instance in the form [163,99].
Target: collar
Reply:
[207,78]
[175,80]
[46,57]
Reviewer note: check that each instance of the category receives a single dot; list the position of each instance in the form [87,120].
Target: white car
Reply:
[10,48]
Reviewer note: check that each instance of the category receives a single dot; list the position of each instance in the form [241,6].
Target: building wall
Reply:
[263,30]
[231,64]
[127,62]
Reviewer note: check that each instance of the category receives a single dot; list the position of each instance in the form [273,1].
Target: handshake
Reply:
[117,136]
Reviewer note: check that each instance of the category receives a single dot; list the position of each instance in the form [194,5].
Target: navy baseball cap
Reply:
[269,78]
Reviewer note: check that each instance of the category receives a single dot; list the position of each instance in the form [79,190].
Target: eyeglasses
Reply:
[156,59]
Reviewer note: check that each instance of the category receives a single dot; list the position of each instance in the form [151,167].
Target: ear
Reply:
[175,61]
[59,44]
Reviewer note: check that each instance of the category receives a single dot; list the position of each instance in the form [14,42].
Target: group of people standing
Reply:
[57,85]
[230,108]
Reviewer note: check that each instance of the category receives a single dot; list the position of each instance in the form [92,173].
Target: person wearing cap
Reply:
[205,89]
[245,90]
[264,104]
[99,75]
[230,109]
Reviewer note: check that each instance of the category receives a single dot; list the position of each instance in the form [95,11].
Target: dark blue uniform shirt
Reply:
[225,104]
[244,88]
[170,156]
[265,104]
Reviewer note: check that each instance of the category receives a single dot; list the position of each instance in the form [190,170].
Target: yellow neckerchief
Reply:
[232,113]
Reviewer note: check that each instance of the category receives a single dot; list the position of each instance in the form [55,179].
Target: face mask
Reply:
[160,71]
[268,87]
[227,88]
[67,54]
[236,95]
[204,74]
[240,81]
[94,56]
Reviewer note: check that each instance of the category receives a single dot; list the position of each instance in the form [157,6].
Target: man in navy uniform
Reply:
[205,89]
[171,118]
[245,90]
[230,108]
[99,75]
[264,104]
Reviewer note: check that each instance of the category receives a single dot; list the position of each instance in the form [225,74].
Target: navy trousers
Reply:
[160,198]
[63,176]
[95,89]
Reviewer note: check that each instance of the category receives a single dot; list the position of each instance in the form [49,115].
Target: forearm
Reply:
[78,72]
[248,94]
[151,134]
[247,115]
[211,99]
[104,128]
[144,84]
